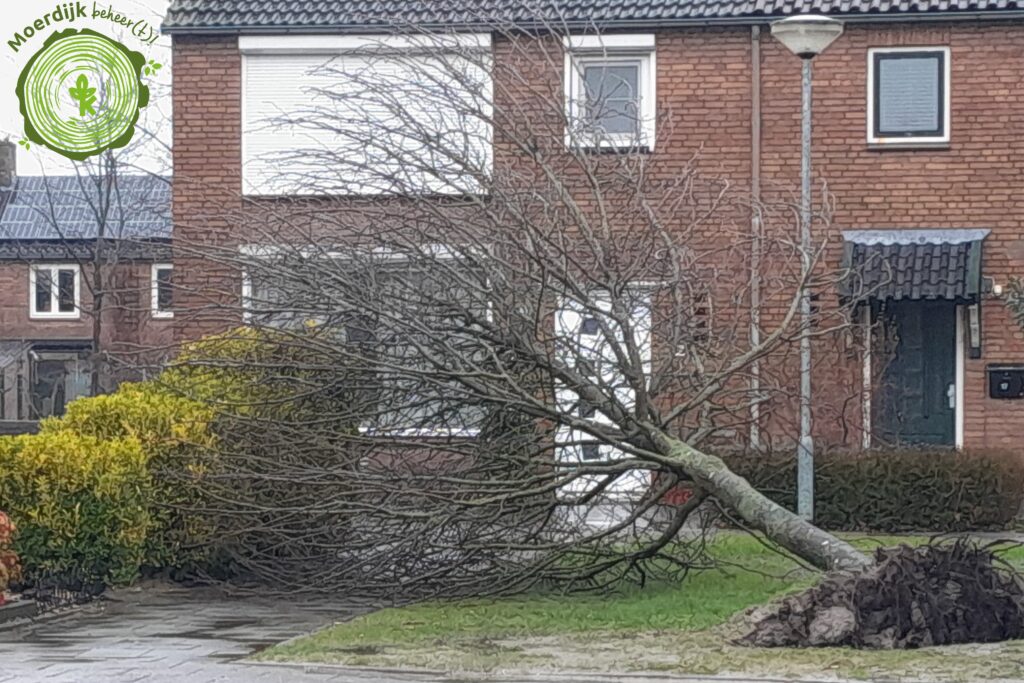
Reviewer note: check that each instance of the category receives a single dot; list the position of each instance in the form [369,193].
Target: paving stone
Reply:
[165,636]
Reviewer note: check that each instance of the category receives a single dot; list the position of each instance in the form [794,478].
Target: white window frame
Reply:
[155,291]
[607,49]
[909,141]
[54,269]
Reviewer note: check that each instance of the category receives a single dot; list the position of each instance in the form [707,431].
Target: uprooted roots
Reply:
[938,594]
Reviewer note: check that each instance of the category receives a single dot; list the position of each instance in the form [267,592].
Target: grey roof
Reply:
[69,208]
[240,15]
[913,264]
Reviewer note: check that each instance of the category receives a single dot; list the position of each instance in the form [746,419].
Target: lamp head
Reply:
[807,35]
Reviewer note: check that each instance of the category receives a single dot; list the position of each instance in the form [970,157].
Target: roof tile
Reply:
[228,15]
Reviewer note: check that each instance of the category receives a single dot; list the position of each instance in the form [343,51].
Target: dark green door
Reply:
[915,405]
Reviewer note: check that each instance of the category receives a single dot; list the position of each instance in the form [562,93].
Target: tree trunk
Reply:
[792,532]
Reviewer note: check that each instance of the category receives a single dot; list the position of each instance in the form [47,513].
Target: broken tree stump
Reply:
[938,594]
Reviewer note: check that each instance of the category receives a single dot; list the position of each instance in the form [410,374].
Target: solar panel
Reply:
[73,207]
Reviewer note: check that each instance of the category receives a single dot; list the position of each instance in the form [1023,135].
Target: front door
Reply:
[581,343]
[916,399]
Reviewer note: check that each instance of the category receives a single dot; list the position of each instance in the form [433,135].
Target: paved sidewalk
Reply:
[164,636]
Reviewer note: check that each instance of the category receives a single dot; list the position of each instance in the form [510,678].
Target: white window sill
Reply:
[904,144]
[163,315]
[55,316]
[611,148]
[421,433]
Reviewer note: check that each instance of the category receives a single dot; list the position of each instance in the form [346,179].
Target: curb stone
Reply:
[438,676]
[51,617]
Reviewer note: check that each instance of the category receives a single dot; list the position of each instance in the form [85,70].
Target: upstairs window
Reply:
[161,291]
[54,291]
[908,95]
[366,114]
[610,91]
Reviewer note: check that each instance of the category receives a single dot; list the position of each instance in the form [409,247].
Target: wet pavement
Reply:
[191,636]
[166,635]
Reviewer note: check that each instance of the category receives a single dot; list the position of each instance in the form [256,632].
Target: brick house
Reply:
[50,343]
[916,130]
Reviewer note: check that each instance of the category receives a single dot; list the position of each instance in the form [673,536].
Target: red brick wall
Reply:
[974,183]
[127,322]
[131,339]
[704,101]
[207,171]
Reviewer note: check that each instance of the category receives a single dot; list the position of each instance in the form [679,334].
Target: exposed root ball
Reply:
[911,597]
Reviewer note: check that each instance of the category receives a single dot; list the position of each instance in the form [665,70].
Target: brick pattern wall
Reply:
[975,182]
[207,171]
[127,324]
[704,104]
[132,339]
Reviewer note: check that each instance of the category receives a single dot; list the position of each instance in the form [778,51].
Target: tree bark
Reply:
[789,530]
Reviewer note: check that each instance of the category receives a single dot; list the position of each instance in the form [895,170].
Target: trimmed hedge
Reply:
[117,484]
[895,490]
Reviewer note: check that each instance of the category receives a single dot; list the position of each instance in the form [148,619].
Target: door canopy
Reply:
[912,264]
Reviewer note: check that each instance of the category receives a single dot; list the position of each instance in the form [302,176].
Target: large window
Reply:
[610,91]
[365,114]
[908,95]
[58,377]
[54,291]
[402,323]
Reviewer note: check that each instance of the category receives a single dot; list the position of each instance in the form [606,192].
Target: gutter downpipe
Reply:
[755,232]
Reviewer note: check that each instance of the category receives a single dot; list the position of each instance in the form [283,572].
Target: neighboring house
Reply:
[50,344]
[917,130]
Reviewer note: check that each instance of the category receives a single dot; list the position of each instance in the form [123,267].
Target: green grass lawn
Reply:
[682,628]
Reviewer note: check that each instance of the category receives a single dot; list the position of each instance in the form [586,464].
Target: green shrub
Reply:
[119,482]
[284,420]
[253,373]
[177,440]
[81,504]
[895,490]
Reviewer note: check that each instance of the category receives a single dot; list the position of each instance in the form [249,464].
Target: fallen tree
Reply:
[538,345]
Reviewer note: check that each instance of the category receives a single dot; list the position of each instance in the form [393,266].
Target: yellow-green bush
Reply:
[245,372]
[70,493]
[82,504]
[177,440]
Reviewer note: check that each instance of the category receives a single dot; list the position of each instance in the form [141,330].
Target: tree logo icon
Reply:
[81,93]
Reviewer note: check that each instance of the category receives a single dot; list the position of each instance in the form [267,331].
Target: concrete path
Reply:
[164,636]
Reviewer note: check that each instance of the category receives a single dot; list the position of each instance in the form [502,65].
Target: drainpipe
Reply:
[755,231]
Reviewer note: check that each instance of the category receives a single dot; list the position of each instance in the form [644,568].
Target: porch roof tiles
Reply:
[913,264]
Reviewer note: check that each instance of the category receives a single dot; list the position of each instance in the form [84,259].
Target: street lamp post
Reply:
[806,36]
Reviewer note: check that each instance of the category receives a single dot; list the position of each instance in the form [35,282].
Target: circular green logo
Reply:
[81,93]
